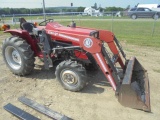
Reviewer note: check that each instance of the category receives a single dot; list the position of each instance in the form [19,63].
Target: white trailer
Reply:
[155,7]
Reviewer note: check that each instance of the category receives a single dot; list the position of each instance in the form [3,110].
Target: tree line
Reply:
[8,11]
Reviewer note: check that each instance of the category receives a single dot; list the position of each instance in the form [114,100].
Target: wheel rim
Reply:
[133,16]
[69,77]
[13,57]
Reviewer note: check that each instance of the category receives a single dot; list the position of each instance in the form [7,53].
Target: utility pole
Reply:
[72,11]
[44,10]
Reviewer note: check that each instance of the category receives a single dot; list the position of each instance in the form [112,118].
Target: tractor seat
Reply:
[28,26]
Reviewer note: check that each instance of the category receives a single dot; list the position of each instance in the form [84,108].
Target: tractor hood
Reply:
[55,26]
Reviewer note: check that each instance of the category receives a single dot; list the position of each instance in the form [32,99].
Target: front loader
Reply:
[78,49]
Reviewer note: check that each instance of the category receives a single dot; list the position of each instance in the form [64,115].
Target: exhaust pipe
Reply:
[134,91]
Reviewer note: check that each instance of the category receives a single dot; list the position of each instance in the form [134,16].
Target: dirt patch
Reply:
[96,101]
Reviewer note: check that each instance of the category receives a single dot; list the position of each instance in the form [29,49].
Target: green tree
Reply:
[95,5]
[113,9]
[80,9]
[101,9]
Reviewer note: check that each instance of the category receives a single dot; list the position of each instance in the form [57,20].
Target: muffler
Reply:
[134,91]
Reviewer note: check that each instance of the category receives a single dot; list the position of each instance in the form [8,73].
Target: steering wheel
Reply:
[44,23]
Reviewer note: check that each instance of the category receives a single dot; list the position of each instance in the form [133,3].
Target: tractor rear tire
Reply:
[18,56]
[71,75]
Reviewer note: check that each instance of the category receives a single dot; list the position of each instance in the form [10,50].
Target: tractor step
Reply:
[19,112]
[43,109]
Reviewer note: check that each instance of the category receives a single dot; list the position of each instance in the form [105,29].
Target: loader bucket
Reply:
[134,91]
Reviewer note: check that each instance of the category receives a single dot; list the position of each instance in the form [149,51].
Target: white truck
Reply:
[154,7]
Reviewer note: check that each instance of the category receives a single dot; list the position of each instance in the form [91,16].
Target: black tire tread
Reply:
[26,51]
[78,68]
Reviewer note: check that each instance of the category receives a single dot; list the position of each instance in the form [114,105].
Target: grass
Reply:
[67,17]
[133,32]
[137,32]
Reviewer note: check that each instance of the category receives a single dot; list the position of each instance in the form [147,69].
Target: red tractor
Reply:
[78,49]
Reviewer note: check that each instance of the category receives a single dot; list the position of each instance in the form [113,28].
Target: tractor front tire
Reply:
[71,75]
[18,56]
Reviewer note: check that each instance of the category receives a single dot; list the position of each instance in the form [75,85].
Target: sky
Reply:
[76,3]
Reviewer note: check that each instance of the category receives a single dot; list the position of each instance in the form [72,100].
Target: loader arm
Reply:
[95,46]
[109,38]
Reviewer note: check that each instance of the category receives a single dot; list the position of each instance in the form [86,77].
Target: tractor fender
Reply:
[26,36]
[15,32]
